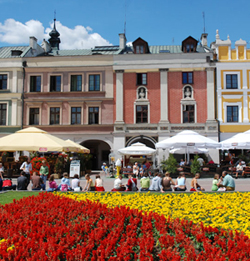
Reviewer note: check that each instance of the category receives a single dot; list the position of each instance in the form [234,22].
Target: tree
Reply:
[169,164]
[195,166]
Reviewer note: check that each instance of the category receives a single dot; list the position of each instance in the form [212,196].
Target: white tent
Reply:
[137,149]
[191,150]
[187,138]
[238,141]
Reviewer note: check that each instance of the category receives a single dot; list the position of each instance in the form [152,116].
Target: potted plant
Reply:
[169,164]
[195,166]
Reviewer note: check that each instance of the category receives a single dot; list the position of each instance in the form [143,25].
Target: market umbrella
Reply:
[79,148]
[238,141]
[191,150]
[187,138]
[34,139]
[137,149]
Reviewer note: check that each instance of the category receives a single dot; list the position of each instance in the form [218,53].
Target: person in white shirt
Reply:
[75,184]
[26,167]
[239,170]
[99,183]
[182,162]
[201,161]
[118,184]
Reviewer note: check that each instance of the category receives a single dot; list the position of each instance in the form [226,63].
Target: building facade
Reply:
[233,86]
[161,90]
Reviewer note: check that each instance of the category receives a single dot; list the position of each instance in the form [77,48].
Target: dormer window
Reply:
[189,45]
[140,46]
[139,49]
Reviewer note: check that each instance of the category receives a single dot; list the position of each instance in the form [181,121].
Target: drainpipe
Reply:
[22,97]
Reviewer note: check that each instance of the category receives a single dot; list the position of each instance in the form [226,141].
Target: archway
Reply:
[148,141]
[100,151]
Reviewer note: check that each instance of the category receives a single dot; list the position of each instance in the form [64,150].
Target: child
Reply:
[215,182]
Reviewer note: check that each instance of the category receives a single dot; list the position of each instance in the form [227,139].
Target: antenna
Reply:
[203,14]
[125,17]
[55,14]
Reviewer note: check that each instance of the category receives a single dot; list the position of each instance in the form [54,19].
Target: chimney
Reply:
[123,41]
[204,39]
[33,43]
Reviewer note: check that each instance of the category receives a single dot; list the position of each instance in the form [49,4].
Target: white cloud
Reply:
[14,32]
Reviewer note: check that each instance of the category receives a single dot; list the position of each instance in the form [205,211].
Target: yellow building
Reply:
[233,86]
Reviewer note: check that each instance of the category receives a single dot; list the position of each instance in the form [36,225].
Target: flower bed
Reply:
[50,227]
[221,210]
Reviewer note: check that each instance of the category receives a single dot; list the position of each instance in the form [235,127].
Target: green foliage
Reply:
[169,164]
[195,166]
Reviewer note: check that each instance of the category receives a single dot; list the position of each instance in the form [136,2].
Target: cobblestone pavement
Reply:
[241,184]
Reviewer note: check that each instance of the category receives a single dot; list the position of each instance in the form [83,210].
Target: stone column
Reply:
[164,95]
[14,81]
[119,97]
[210,95]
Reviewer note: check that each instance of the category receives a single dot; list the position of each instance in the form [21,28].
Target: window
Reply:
[93,115]
[141,113]
[55,83]
[54,116]
[35,83]
[3,113]
[188,113]
[75,115]
[76,83]
[141,78]
[94,82]
[139,49]
[187,77]
[3,81]
[189,48]
[232,81]
[232,114]
[34,116]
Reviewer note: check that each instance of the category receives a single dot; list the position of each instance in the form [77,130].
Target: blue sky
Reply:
[84,24]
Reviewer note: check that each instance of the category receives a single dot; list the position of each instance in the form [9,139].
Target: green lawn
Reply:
[9,196]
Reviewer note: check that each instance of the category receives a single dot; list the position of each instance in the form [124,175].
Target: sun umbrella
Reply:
[34,139]
[238,141]
[191,150]
[137,149]
[79,148]
[187,138]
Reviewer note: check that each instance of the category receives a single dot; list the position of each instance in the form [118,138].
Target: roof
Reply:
[6,52]
[165,49]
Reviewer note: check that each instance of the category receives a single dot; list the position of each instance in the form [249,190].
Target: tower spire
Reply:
[54,36]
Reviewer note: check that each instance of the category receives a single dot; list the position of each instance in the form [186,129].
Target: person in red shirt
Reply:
[132,183]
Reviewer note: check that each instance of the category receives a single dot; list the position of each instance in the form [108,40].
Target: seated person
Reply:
[65,184]
[182,163]
[180,184]
[7,185]
[228,182]
[76,183]
[89,184]
[145,182]
[99,183]
[167,182]
[37,182]
[132,183]
[156,183]
[52,184]
[239,170]
[118,184]
[22,182]
[136,169]
[194,184]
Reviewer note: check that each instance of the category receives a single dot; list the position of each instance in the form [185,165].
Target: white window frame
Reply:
[8,80]
[239,104]
[55,74]
[82,111]
[141,102]
[87,80]
[69,82]
[28,82]
[225,82]
[7,112]
[188,102]
[93,104]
